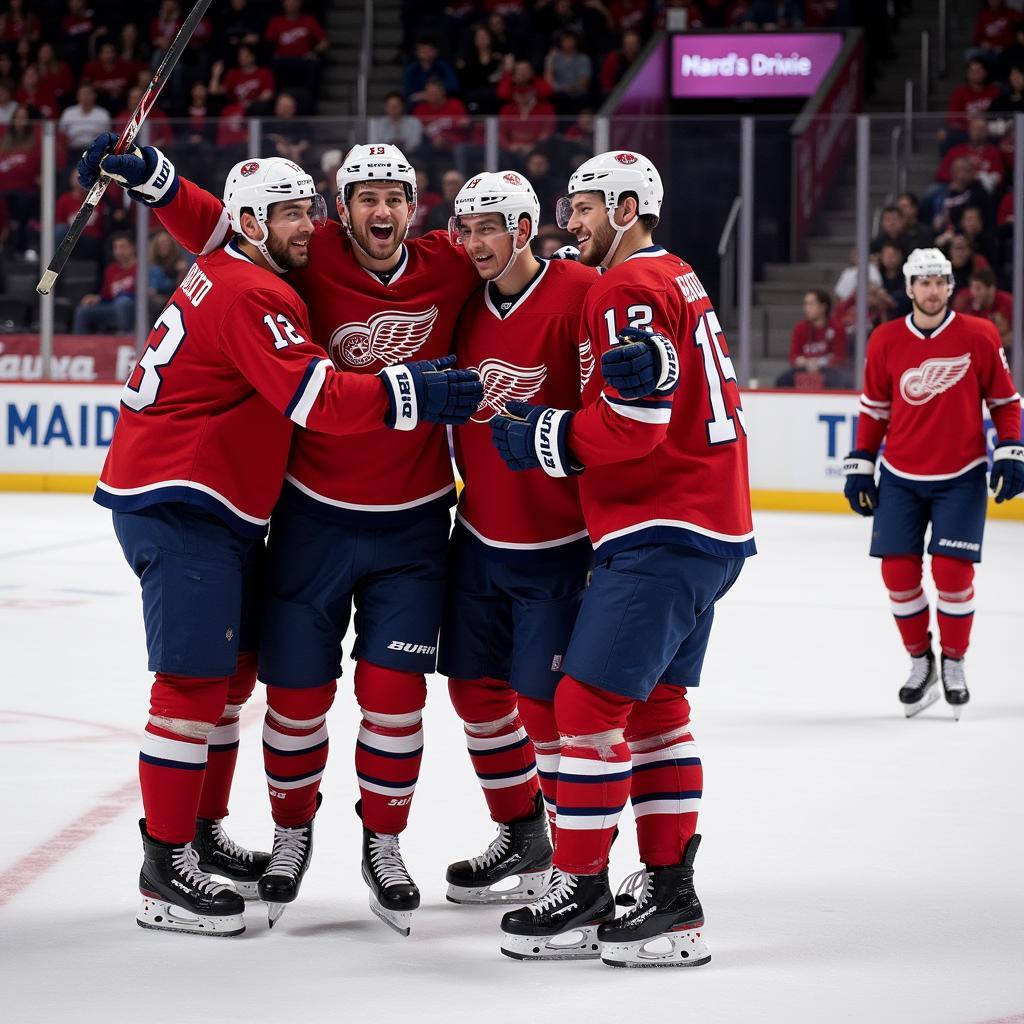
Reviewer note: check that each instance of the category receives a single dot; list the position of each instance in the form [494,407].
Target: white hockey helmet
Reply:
[614,174]
[926,263]
[376,163]
[257,184]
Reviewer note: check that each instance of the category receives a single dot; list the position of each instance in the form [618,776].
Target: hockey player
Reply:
[663,483]
[926,377]
[520,554]
[364,523]
[195,465]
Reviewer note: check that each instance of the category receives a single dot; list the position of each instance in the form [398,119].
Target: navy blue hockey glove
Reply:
[535,437]
[566,252]
[1007,480]
[146,173]
[430,391]
[860,490]
[641,364]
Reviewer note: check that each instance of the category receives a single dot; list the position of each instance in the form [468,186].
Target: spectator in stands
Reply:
[629,16]
[891,258]
[113,309]
[166,269]
[54,75]
[818,346]
[77,27]
[619,61]
[917,231]
[132,48]
[527,118]
[520,79]
[109,75]
[8,71]
[84,120]
[978,149]
[972,227]
[157,124]
[1004,217]
[963,190]
[40,99]
[568,72]
[1013,55]
[426,200]
[480,68]
[1011,99]
[299,42]
[546,184]
[19,174]
[846,283]
[964,261]
[427,65]
[451,182]
[163,28]
[90,244]
[239,25]
[396,127]
[8,105]
[892,229]
[445,121]
[769,15]
[232,133]
[993,32]
[245,84]
[550,239]
[285,132]
[969,100]
[982,297]
[18,22]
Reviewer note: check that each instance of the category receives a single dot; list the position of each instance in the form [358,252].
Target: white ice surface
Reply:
[855,867]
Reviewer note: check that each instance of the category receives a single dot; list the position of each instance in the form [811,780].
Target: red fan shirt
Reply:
[293,37]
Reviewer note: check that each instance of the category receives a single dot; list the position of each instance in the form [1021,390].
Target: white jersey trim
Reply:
[729,538]
[218,239]
[915,330]
[640,413]
[398,271]
[645,254]
[522,298]
[514,546]
[309,492]
[980,461]
[127,492]
[994,403]
[313,386]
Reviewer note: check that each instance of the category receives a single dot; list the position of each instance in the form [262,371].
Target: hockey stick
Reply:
[131,129]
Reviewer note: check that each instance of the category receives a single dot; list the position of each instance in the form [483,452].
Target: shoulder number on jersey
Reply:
[718,368]
[639,316]
[282,330]
[143,385]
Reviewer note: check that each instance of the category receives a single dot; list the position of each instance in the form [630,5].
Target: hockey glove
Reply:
[566,252]
[641,364]
[146,173]
[860,490]
[534,437]
[430,391]
[1007,480]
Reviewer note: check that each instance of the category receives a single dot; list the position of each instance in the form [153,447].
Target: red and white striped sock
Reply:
[902,576]
[954,608]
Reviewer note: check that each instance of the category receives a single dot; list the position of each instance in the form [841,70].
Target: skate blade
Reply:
[525,889]
[247,890]
[671,949]
[165,917]
[930,697]
[575,944]
[274,912]
[398,920]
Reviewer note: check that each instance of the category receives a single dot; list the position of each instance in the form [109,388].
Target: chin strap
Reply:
[619,232]
[516,253]
[261,244]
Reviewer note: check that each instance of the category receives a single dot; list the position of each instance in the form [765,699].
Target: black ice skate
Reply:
[664,928]
[221,855]
[393,894]
[920,690]
[561,925]
[515,868]
[178,897]
[954,684]
[289,861]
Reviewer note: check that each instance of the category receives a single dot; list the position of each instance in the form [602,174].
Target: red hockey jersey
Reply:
[924,394]
[208,413]
[663,469]
[365,325]
[531,354]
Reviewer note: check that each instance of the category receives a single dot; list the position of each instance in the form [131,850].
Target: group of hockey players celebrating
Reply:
[302,379]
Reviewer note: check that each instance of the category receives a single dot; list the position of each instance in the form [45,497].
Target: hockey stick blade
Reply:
[131,129]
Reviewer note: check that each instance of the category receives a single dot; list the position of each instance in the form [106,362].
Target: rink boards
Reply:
[54,437]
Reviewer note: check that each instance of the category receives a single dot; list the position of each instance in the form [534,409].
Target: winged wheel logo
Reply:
[389,337]
[922,383]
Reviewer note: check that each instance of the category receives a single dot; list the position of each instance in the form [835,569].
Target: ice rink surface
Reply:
[855,867]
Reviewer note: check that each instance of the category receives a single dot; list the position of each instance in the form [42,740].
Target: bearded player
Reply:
[925,380]
[364,521]
[520,553]
[659,448]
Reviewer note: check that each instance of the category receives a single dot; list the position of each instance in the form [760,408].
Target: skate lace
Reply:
[228,845]
[386,860]
[563,885]
[919,669]
[494,852]
[186,863]
[289,851]
[953,677]
[630,894]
